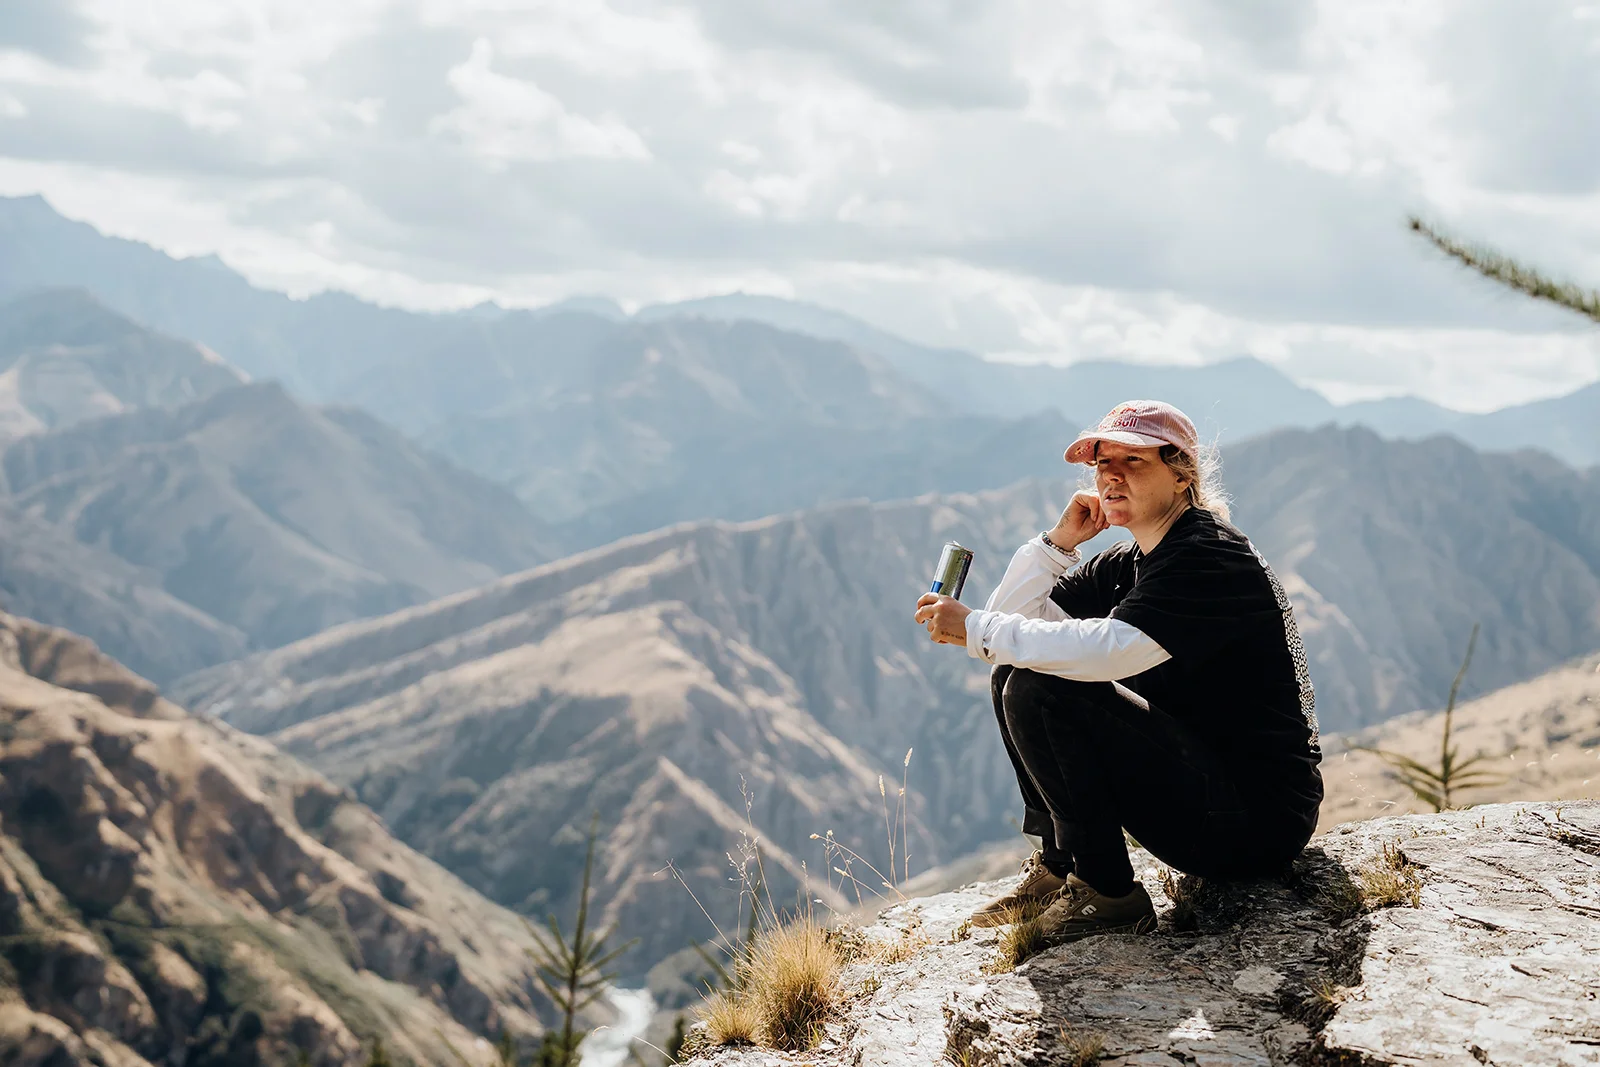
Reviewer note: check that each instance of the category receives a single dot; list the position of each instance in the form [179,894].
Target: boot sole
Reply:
[1141,926]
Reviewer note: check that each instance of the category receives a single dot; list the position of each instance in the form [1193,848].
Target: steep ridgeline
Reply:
[273,519]
[173,891]
[47,574]
[311,345]
[1230,400]
[612,428]
[65,357]
[1393,550]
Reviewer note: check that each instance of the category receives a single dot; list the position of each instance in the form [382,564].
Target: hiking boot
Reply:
[1081,911]
[1037,890]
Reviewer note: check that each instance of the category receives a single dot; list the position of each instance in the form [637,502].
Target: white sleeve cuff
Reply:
[1065,559]
[976,620]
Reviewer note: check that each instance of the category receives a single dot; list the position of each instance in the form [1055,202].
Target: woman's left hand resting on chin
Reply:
[945,617]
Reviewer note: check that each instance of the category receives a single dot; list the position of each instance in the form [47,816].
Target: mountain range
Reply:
[1230,400]
[328,348]
[65,357]
[612,428]
[655,679]
[180,515]
[174,891]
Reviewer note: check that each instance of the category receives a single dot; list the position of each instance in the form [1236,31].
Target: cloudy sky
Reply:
[1162,180]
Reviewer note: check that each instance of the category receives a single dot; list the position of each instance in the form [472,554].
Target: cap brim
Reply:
[1082,450]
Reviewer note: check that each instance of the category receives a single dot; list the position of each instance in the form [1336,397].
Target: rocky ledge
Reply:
[1471,937]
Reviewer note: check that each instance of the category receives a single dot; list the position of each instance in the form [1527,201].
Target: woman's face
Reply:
[1135,486]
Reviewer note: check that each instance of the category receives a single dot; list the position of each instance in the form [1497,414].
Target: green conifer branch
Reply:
[572,969]
[1508,272]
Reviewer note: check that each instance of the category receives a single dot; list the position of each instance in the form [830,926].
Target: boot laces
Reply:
[1033,869]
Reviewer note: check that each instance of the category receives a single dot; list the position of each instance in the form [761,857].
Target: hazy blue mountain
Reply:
[309,345]
[488,365]
[335,347]
[48,575]
[1229,401]
[611,428]
[966,381]
[65,357]
[1567,426]
[276,519]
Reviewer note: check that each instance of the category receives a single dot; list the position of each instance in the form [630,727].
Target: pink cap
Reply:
[1140,423]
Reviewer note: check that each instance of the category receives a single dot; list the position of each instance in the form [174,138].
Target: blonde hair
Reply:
[1204,472]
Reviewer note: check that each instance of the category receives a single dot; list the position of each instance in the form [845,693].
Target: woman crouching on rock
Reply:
[1159,688]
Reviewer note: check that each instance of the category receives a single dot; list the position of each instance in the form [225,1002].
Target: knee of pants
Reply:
[997,683]
[1028,695]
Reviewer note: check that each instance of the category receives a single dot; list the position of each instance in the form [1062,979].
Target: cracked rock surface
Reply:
[1496,962]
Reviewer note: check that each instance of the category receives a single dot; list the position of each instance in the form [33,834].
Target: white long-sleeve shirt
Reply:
[1021,626]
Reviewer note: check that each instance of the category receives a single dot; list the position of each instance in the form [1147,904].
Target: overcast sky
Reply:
[1173,181]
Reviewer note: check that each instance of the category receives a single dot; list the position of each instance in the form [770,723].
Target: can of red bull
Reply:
[951,574]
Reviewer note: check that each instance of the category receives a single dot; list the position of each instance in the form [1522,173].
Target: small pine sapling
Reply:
[1438,785]
[572,970]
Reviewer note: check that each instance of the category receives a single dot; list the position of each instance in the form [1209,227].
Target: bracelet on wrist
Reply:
[1045,537]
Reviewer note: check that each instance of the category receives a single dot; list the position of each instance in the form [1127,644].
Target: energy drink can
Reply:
[951,574]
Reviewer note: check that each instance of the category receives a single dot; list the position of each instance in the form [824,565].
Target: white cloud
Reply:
[1148,179]
[503,118]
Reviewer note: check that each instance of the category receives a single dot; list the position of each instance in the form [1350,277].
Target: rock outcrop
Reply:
[1471,937]
[175,892]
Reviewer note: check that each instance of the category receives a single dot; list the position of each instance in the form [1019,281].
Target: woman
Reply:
[1160,687]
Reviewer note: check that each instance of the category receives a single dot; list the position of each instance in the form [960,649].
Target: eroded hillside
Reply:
[174,891]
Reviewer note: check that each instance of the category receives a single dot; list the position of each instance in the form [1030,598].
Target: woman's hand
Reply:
[1080,520]
[945,617]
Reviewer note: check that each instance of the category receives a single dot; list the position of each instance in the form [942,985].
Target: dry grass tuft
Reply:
[1342,897]
[1182,890]
[1081,1047]
[792,979]
[962,932]
[731,1018]
[1021,937]
[902,948]
[1390,879]
[850,942]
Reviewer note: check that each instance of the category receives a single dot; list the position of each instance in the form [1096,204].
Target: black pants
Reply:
[1094,758]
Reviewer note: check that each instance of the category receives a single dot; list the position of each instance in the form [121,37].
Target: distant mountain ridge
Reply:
[272,519]
[329,347]
[613,428]
[65,357]
[1230,400]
